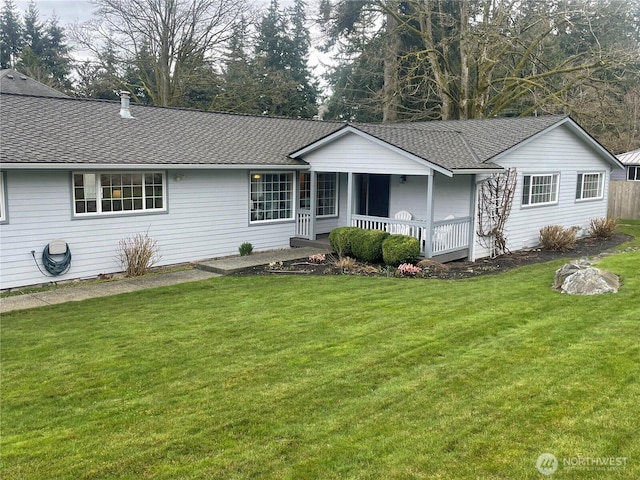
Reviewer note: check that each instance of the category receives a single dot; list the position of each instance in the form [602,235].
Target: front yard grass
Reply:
[326,378]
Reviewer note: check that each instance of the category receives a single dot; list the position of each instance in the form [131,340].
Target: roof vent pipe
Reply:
[124,105]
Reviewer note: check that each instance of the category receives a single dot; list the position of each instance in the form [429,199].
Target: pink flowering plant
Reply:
[408,270]
[317,258]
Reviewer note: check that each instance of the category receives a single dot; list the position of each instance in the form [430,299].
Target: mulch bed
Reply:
[585,247]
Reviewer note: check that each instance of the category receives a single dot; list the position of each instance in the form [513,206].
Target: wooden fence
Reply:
[624,200]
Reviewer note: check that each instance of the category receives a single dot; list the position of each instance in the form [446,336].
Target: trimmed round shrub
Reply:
[340,240]
[399,249]
[366,245]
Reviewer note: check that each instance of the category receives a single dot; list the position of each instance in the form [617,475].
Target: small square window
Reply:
[540,189]
[589,186]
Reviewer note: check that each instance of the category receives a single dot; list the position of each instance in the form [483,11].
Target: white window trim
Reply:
[294,199]
[600,195]
[3,200]
[99,198]
[637,173]
[337,196]
[555,175]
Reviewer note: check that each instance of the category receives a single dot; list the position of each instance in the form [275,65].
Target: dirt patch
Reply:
[585,247]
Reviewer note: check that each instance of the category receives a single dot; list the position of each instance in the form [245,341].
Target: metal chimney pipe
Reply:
[124,104]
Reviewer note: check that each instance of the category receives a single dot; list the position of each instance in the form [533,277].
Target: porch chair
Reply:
[441,235]
[401,229]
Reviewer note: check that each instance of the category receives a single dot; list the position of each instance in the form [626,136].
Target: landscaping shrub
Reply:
[603,227]
[137,254]
[558,238]
[245,249]
[408,270]
[366,245]
[344,264]
[398,249]
[340,240]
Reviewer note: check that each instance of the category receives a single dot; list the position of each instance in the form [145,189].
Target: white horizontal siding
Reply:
[353,153]
[410,196]
[558,151]
[451,196]
[207,217]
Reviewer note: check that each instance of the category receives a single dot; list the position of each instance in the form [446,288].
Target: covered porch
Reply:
[436,209]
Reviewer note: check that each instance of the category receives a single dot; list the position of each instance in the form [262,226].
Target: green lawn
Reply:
[326,378]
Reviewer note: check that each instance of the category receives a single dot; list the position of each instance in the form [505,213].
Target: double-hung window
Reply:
[271,196]
[590,186]
[326,193]
[633,174]
[540,189]
[96,193]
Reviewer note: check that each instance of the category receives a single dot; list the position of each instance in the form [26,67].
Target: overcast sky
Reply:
[68,11]
[72,11]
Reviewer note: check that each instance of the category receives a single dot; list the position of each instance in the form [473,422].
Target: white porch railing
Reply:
[447,235]
[303,223]
[450,235]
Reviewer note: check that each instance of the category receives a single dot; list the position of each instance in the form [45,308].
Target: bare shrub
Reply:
[558,238]
[345,264]
[603,227]
[137,254]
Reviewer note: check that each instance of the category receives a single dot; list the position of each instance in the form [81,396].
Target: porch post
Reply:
[313,176]
[472,209]
[429,220]
[349,197]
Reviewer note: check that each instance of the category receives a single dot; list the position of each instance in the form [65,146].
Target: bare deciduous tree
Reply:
[164,41]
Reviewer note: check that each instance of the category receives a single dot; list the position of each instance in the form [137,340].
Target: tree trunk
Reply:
[390,85]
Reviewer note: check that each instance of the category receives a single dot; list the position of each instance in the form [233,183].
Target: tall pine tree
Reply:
[11,38]
[285,85]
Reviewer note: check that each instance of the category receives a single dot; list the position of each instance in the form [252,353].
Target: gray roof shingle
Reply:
[462,144]
[80,131]
[12,81]
[77,131]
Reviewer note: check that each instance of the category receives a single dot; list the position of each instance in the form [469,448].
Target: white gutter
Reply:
[146,166]
[470,171]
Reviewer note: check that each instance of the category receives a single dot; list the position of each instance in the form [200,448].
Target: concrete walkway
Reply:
[227,265]
[204,270]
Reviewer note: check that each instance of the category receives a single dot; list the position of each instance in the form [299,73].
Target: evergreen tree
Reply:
[284,79]
[240,90]
[11,38]
[101,78]
[36,50]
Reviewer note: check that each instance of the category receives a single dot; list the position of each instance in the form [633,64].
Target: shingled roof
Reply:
[12,81]
[91,132]
[462,144]
[79,131]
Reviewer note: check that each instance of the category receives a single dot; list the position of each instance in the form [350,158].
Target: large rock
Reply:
[580,278]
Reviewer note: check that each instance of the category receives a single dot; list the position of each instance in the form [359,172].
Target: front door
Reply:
[373,195]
